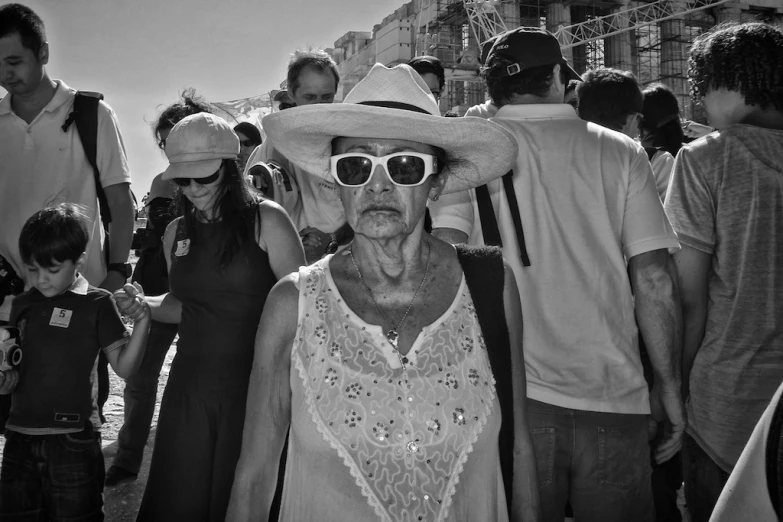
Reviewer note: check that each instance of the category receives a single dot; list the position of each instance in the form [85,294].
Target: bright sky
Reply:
[141,53]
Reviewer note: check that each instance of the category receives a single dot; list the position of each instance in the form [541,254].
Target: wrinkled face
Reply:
[433,83]
[724,107]
[55,279]
[315,86]
[21,70]
[246,148]
[203,197]
[380,209]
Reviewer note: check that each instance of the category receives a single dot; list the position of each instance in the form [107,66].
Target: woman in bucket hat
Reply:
[390,360]
[224,255]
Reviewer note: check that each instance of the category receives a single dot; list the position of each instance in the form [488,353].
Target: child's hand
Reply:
[8,381]
[130,302]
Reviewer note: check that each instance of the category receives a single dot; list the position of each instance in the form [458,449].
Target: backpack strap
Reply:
[513,205]
[489,223]
[484,274]
[774,458]
[85,115]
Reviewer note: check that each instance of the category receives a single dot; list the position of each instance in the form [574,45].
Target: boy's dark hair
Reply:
[190,103]
[661,118]
[535,80]
[18,18]
[54,235]
[235,205]
[747,58]
[608,96]
[429,64]
[313,58]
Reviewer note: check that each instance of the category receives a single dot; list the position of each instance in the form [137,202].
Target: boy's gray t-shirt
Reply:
[726,199]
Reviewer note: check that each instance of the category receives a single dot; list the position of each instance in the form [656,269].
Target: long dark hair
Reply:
[235,205]
[661,118]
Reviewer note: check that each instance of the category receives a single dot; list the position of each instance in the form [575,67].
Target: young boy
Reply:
[52,462]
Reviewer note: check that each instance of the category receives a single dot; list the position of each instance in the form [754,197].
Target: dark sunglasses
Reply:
[247,143]
[405,169]
[184,182]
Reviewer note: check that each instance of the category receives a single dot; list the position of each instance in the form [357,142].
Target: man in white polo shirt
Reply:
[578,215]
[42,165]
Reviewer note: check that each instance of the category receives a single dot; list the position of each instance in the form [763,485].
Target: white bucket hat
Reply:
[393,103]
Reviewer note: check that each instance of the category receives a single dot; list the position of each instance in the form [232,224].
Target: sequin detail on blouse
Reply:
[404,434]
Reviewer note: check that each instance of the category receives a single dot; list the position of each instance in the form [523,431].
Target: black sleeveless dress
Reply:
[202,414]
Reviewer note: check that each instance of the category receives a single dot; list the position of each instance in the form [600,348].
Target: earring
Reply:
[436,197]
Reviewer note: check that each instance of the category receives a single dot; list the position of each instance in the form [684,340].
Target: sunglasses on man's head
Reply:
[184,182]
[405,169]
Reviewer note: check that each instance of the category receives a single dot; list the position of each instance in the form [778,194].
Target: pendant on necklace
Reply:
[392,337]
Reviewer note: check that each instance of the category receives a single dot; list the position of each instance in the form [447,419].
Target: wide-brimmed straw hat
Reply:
[393,103]
[198,144]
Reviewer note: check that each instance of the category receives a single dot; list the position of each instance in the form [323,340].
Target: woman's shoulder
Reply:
[171,229]
[267,207]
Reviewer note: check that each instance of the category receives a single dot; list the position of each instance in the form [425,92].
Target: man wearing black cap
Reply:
[579,214]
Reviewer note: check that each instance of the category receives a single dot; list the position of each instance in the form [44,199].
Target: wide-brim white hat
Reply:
[393,103]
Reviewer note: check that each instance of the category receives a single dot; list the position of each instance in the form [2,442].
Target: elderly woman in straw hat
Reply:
[390,361]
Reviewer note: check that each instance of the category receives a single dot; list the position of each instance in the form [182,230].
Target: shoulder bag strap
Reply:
[483,268]
[774,458]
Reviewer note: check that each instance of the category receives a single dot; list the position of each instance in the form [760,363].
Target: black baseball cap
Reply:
[527,47]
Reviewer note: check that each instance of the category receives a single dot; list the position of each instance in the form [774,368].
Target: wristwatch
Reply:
[123,268]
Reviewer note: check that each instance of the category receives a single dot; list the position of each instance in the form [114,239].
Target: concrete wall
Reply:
[394,43]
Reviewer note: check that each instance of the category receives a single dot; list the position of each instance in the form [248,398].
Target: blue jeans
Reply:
[598,462]
[52,477]
[140,393]
[704,480]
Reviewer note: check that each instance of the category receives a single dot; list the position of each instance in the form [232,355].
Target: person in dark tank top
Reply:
[224,254]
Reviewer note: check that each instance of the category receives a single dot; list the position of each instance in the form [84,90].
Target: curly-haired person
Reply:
[725,202]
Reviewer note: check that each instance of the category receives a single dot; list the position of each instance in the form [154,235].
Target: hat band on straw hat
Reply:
[394,105]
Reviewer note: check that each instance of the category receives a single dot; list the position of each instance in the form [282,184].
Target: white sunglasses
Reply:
[404,169]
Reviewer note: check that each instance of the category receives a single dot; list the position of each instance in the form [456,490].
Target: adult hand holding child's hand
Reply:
[130,301]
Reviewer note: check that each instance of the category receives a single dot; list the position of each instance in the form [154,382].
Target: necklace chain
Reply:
[393,334]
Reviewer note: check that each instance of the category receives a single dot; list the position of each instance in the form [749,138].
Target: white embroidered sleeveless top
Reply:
[372,440]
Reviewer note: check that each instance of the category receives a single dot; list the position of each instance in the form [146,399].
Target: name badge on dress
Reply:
[60,317]
[183,247]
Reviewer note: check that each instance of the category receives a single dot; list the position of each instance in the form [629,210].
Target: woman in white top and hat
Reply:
[374,357]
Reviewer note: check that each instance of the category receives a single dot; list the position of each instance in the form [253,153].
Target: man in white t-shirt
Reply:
[43,163]
[317,212]
[577,216]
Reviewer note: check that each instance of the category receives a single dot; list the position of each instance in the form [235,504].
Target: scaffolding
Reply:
[649,38]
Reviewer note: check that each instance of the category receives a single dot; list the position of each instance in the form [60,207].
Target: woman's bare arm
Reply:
[280,240]
[525,501]
[268,413]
